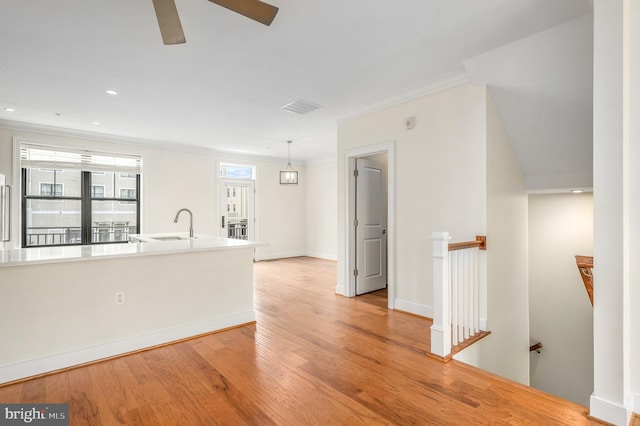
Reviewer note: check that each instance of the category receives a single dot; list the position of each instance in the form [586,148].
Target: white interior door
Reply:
[371,222]
[237,200]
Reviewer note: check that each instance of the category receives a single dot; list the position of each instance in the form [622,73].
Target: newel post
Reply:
[441,328]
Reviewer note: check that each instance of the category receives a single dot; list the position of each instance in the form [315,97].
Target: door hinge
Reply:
[355,272]
[355,223]
[355,172]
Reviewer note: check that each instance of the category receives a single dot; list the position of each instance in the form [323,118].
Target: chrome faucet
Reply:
[190,220]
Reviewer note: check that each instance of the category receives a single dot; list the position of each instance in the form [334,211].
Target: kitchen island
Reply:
[65,306]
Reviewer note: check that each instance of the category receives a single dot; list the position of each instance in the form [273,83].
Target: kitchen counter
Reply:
[65,306]
[146,247]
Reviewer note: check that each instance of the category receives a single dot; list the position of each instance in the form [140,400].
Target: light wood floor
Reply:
[313,358]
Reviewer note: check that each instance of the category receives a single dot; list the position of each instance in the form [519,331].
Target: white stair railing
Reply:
[456,292]
[465,316]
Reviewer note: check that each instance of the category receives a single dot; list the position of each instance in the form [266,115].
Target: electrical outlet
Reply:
[120,298]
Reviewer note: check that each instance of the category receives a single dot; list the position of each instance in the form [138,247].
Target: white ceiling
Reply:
[224,88]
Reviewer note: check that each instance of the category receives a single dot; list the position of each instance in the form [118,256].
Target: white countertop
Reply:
[39,255]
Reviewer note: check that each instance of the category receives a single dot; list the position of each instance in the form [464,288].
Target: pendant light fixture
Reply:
[288,176]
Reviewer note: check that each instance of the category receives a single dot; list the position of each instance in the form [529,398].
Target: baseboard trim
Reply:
[413,308]
[636,403]
[325,256]
[34,367]
[609,412]
[272,256]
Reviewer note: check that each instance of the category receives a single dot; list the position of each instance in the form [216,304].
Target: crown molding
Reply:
[45,130]
[42,129]
[438,84]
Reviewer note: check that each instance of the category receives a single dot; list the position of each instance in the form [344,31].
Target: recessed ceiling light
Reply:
[110,92]
[577,191]
[97,123]
[9,109]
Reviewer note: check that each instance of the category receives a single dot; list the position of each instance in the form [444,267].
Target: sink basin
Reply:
[144,238]
[171,238]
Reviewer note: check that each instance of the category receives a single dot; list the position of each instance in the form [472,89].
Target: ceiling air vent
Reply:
[301,106]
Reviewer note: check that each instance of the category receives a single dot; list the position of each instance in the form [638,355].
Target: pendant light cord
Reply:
[289,166]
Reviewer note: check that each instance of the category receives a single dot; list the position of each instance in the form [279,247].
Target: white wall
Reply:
[561,315]
[612,169]
[281,213]
[175,177]
[506,350]
[634,225]
[542,87]
[440,180]
[172,180]
[321,203]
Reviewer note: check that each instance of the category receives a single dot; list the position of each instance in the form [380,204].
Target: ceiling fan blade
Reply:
[253,9]
[169,22]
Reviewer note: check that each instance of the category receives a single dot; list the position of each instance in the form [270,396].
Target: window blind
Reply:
[54,157]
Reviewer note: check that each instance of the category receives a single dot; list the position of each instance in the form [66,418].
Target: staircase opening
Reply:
[459,298]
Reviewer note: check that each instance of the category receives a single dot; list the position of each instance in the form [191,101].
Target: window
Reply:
[50,189]
[127,193]
[69,197]
[237,171]
[97,191]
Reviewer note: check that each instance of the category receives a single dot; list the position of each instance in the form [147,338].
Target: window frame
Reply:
[86,199]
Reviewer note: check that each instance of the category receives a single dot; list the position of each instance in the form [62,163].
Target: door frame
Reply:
[350,211]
